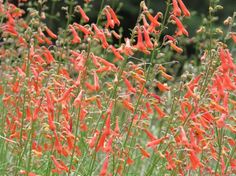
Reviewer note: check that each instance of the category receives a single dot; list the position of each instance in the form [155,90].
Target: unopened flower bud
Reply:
[143,6]
[211,9]
[202,29]
[219,7]
[228,21]
[219,31]
[43,16]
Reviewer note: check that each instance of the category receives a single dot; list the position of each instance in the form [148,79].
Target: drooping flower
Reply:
[49,57]
[176,9]
[159,111]
[99,34]
[78,99]
[165,75]
[128,105]
[176,48]
[140,44]
[183,8]
[129,85]
[181,28]
[65,95]
[147,39]
[103,171]
[149,134]
[143,152]
[183,137]
[96,81]
[117,54]
[50,33]
[195,162]
[59,164]
[162,87]
[83,14]
[110,22]
[83,29]
[171,164]
[152,19]
[156,141]
[128,49]
[233,36]
[113,15]
[76,38]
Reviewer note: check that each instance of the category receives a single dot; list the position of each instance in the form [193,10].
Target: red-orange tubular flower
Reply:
[65,95]
[110,22]
[176,9]
[116,35]
[96,81]
[83,29]
[154,24]
[152,19]
[78,99]
[195,162]
[95,60]
[103,172]
[50,33]
[162,87]
[183,8]
[128,49]
[83,14]
[143,152]
[129,85]
[233,36]
[113,15]
[148,41]
[183,137]
[149,135]
[171,164]
[156,142]
[159,111]
[128,105]
[176,48]
[140,44]
[99,34]
[226,60]
[181,28]
[59,165]
[48,56]
[116,52]
[145,23]
[76,38]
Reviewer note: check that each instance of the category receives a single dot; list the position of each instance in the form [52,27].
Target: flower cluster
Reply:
[73,102]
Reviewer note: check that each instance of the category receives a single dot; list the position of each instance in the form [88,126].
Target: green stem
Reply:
[71,3]
[52,12]
[147,78]
[100,12]
[136,108]
[219,135]
[75,141]
[78,116]
[30,149]
[23,110]
[49,164]
[230,157]
[205,81]
[113,94]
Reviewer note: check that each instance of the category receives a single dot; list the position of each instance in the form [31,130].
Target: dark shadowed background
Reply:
[128,11]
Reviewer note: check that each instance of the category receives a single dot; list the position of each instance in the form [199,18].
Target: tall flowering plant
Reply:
[74,103]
